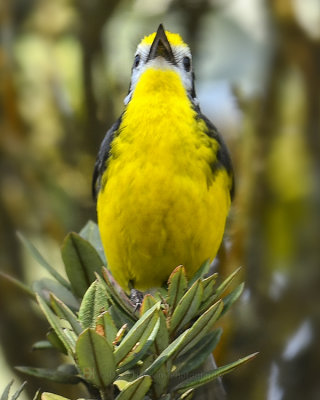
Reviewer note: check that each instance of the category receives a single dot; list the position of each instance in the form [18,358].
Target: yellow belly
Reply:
[161,205]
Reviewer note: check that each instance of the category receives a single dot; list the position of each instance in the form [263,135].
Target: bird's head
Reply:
[163,50]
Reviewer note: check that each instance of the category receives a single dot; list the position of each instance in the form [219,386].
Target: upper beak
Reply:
[161,47]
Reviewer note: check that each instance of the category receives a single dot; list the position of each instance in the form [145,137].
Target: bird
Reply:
[163,179]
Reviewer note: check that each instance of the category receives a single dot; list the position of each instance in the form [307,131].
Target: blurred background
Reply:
[64,72]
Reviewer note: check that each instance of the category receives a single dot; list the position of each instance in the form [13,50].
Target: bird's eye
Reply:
[186,63]
[136,61]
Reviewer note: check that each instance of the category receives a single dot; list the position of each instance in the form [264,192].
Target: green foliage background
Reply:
[65,69]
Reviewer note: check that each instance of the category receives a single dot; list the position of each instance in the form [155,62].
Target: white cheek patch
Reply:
[143,50]
[186,76]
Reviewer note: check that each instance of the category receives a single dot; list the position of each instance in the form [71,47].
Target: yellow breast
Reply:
[161,205]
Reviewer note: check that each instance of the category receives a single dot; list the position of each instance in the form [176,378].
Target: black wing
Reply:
[223,157]
[102,157]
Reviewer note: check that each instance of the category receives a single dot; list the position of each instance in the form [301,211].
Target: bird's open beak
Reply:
[161,47]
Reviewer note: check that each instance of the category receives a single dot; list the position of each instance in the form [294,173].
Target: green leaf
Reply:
[90,232]
[64,312]
[161,379]
[162,339]
[136,390]
[95,359]
[20,285]
[42,345]
[204,269]
[68,369]
[52,396]
[141,347]
[19,391]
[200,352]
[46,286]
[211,299]
[81,261]
[69,333]
[55,324]
[224,285]
[205,378]
[56,342]
[177,285]
[42,261]
[5,393]
[37,395]
[147,302]
[120,318]
[202,326]
[140,332]
[208,287]
[187,307]
[124,379]
[95,301]
[205,305]
[106,324]
[188,395]
[167,354]
[118,298]
[50,374]
[231,298]
[161,342]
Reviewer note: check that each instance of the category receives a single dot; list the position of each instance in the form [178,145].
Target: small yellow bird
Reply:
[163,178]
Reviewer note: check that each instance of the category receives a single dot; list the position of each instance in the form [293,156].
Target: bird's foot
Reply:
[136,298]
